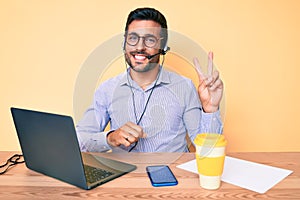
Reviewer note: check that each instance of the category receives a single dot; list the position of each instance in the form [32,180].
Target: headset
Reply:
[162,51]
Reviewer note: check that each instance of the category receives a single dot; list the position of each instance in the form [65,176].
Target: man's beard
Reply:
[151,64]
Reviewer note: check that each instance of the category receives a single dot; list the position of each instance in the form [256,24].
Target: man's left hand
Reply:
[210,87]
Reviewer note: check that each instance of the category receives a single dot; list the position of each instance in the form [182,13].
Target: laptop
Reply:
[50,146]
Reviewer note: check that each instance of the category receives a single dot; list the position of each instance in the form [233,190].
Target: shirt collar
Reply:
[164,78]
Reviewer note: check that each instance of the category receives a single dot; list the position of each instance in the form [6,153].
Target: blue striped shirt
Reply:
[174,110]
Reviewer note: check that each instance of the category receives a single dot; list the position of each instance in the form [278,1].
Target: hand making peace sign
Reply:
[210,87]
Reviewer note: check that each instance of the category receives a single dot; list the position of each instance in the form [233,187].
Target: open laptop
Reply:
[50,146]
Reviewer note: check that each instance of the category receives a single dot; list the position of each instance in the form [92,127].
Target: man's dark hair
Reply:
[149,14]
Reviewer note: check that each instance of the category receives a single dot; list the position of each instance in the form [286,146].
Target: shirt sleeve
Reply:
[196,120]
[211,122]
[91,136]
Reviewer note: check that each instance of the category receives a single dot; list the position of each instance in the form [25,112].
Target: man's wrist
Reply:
[107,135]
[210,109]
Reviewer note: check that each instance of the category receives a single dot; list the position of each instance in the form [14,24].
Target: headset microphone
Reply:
[162,52]
[149,57]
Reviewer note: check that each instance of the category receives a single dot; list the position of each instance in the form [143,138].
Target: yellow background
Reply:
[256,46]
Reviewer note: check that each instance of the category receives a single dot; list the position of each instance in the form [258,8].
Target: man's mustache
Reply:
[139,53]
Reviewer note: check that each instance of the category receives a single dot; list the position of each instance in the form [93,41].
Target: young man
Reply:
[149,108]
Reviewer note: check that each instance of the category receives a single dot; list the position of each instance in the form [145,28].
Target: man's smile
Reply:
[140,57]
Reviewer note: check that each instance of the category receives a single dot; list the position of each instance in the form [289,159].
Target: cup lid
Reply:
[210,139]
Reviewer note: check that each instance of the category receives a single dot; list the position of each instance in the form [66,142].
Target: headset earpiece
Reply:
[165,50]
[123,44]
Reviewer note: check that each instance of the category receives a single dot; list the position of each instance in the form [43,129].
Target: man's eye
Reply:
[150,39]
[133,38]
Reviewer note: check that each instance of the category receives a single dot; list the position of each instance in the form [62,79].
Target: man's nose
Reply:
[140,45]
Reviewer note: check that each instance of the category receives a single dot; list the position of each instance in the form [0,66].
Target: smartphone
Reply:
[161,175]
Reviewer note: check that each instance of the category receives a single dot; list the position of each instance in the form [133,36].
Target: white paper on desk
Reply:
[253,176]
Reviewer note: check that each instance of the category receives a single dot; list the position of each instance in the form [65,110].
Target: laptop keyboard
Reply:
[95,174]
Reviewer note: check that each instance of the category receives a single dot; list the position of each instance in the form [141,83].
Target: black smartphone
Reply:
[161,175]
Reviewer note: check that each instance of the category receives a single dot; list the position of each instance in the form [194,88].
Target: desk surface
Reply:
[22,183]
